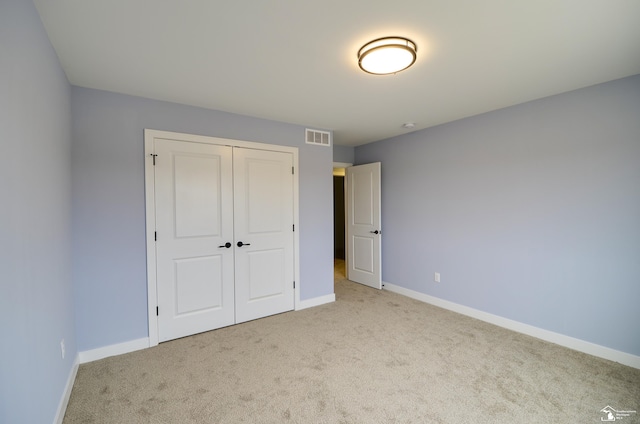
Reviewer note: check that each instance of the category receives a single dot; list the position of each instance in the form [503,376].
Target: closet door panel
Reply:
[263,226]
[194,217]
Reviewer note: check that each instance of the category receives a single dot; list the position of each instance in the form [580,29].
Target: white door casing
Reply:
[363,225]
[186,223]
[264,233]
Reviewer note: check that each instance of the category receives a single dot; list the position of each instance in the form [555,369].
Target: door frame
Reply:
[149,182]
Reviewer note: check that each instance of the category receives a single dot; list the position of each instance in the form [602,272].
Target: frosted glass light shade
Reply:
[387,55]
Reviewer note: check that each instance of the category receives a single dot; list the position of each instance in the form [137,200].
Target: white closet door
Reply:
[194,221]
[263,225]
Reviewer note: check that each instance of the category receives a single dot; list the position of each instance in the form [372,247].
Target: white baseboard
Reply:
[549,336]
[113,350]
[143,343]
[316,301]
[64,401]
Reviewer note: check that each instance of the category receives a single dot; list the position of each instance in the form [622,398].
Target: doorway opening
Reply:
[339,221]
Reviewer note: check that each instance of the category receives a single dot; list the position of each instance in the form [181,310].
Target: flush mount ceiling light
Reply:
[387,55]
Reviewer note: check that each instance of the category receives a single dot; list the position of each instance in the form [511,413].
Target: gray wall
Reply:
[36,308]
[530,212]
[345,154]
[109,270]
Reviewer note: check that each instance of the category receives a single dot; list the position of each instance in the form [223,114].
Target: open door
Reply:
[363,225]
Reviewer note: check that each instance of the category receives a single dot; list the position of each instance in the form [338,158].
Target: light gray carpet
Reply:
[370,357]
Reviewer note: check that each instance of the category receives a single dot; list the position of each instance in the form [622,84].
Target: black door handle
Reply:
[240,244]
[227,245]
[375,232]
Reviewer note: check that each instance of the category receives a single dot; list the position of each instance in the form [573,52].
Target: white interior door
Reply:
[194,221]
[363,225]
[263,225]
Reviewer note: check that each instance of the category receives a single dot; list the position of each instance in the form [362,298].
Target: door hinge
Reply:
[155,235]
[154,158]
[157,311]
[292,168]
[294,227]
[294,284]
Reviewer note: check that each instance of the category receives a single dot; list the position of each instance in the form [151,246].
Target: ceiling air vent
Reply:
[320,138]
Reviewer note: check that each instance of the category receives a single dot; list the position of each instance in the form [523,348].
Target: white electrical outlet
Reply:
[62,349]
[436,277]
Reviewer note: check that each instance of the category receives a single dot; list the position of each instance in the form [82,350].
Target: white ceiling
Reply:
[295,60]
